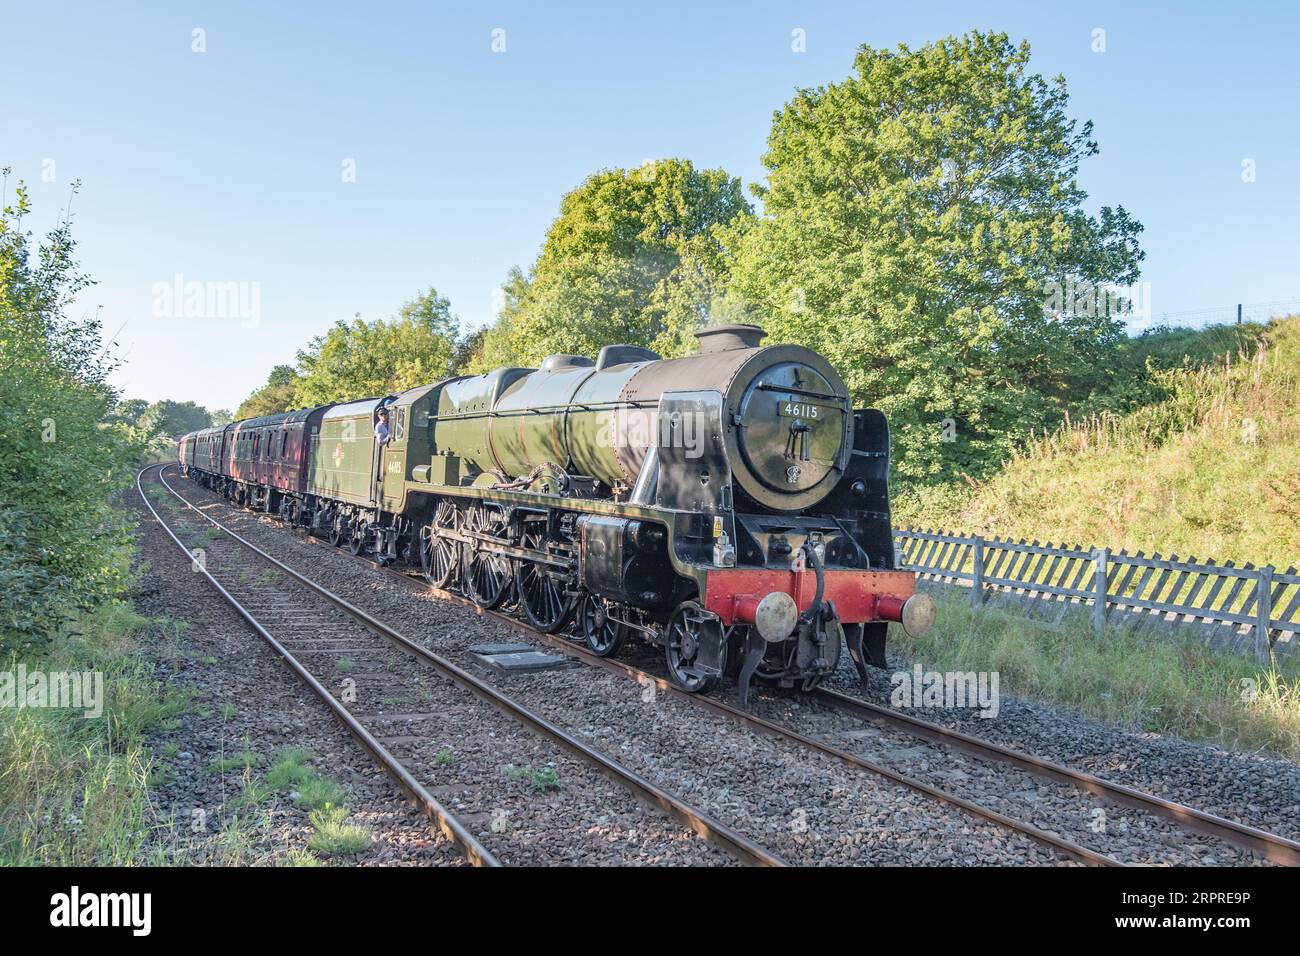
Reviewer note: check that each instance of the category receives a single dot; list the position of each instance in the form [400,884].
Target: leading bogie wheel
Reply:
[687,629]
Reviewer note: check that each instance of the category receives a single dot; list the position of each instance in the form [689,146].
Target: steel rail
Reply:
[700,822]
[1273,847]
[448,825]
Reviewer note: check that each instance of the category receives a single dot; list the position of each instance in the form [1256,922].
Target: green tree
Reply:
[360,359]
[495,346]
[63,545]
[221,417]
[276,396]
[916,216]
[129,411]
[635,257]
[174,419]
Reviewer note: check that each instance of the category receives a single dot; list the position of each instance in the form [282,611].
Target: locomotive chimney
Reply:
[724,338]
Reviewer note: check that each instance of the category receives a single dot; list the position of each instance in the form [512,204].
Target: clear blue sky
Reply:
[226,166]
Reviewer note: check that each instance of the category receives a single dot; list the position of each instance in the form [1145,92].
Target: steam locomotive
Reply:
[730,506]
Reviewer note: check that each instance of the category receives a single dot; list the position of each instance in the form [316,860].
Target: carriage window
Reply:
[284,444]
[257,444]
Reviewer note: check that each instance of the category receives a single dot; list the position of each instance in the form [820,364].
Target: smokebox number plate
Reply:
[802,410]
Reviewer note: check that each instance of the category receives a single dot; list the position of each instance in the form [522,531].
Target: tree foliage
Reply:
[129,410]
[174,419]
[916,218]
[634,257]
[276,396]
[915,215]
[360,359]
[63,545]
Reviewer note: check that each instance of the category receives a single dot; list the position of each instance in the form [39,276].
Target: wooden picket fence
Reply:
[1231,606]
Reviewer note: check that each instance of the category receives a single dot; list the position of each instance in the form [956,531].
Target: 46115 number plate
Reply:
[802,410]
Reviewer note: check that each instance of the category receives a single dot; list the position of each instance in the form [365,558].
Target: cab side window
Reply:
[400,426]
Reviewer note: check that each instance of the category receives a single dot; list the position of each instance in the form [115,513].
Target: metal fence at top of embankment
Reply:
[1239,607]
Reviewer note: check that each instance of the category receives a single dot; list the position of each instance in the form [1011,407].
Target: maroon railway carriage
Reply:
[200,451]
[251,457]
[261,462]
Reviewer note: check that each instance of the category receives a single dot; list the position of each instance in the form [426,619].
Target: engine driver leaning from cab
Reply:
[381,427]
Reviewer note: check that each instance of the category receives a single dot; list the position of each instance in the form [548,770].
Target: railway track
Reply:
[775,730]
[317,623]
[1272,847]
[1055,842]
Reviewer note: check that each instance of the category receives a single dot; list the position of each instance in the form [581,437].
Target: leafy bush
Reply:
[63,545]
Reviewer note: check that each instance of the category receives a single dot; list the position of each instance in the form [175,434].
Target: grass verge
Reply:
[1156,684]
[1208,470]
[73,790]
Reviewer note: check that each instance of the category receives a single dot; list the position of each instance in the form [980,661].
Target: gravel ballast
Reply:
[526,799]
